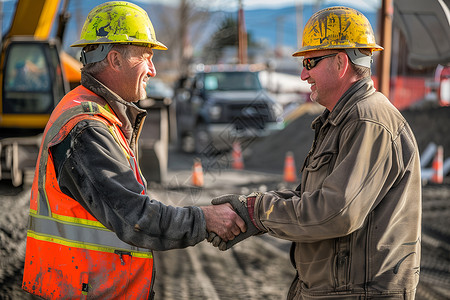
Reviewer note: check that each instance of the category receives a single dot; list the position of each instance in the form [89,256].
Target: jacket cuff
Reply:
[252,203]
[202,232]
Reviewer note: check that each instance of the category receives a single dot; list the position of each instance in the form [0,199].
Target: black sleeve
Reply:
[92,168]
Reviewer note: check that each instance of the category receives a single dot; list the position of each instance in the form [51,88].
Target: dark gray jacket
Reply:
[356,221]
[92,169]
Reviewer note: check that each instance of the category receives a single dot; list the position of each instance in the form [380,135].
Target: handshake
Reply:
[228,229]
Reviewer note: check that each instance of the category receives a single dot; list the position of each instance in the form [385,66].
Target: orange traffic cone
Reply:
[290,174]
[238,162]
[197,173]
[438,166]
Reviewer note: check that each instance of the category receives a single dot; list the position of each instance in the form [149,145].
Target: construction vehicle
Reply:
[34,75]
[224,104]
[32,83]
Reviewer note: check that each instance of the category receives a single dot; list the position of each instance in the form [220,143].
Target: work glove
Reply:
[239,204]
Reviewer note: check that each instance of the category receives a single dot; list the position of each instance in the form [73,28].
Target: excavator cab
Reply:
[32,83]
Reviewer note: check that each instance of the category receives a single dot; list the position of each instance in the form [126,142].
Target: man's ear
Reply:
[114,59]
[342,63]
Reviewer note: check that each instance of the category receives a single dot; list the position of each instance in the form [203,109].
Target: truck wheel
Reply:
[187,143]
[202,138]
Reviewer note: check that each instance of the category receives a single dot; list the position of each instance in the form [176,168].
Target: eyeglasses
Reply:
[311,62]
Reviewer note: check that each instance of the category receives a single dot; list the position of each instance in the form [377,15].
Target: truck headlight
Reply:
[277,110]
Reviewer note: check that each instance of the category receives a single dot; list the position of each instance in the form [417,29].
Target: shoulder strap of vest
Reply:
[89,110]
[54,134]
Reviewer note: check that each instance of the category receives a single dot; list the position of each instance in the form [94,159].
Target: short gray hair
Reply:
[97,67]
[362,72]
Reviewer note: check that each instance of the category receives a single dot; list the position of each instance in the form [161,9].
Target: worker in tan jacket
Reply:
[355,219]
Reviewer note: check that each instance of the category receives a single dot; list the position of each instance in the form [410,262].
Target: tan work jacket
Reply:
[356,220]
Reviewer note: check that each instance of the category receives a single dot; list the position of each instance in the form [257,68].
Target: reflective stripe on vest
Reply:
[69,253]
[87,237]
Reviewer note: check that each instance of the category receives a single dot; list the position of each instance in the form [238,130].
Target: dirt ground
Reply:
[257,268]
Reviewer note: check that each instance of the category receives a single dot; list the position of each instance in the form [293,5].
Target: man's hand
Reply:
[242,205]
[224,221]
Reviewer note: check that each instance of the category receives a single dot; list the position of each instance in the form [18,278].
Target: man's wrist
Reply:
[251,201]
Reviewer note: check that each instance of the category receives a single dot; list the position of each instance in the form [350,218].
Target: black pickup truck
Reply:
[223,104]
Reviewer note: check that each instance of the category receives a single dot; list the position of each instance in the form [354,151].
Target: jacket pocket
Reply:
[317,170]
[318,162]
[342,263]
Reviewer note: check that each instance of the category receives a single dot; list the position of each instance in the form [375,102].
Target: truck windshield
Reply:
[232,81]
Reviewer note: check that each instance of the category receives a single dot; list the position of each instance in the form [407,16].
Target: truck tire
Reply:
[202,138]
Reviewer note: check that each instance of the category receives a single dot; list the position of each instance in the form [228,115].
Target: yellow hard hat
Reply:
[337,28]
[118,22]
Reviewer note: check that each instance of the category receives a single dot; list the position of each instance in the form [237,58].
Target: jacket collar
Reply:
[357,92]
[128,113]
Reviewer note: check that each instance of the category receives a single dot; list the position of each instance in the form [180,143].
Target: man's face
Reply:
[320,76]
[136,71]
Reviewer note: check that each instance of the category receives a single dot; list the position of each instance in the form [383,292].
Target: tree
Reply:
[177,31]
[225,36]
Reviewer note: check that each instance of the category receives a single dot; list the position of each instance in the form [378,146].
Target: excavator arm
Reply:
[33,18]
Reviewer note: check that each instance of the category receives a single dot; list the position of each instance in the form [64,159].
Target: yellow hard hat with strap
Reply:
[116,22]
[337,28]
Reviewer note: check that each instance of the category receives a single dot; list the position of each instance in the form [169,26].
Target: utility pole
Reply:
[79,16]
[1,21]
[384,62]
[280,36]
[63,19]
[183,36]
[242,36]
[299,19]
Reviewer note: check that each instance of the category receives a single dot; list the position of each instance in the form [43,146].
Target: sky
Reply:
[8,7]
[256,4]
[366,5]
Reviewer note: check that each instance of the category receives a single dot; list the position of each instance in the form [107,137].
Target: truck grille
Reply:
[248,115]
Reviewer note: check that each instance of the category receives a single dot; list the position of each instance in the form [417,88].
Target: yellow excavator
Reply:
[32,81]
[34,75]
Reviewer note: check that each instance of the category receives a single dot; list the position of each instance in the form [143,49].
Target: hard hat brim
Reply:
[153,45]
[303,50]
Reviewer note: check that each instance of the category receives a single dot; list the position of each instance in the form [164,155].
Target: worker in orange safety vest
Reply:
[92,227]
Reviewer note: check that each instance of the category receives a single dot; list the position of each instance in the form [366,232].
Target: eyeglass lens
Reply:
[311,62]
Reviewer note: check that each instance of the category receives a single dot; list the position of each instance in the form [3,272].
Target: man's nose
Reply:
[304,75]
[151,69]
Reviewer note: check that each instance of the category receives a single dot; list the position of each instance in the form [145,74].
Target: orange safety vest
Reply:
[69,254]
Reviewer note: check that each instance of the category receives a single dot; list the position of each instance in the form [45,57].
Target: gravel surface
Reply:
[14,207]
